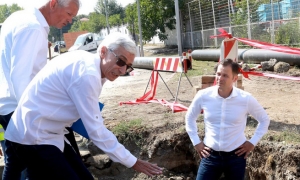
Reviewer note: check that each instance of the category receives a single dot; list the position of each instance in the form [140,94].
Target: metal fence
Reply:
[272,21]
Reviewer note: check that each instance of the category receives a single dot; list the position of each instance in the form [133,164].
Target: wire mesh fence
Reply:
[273,21]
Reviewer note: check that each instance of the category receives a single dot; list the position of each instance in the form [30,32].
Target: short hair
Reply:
[234,65]
[115,40]
[65,3]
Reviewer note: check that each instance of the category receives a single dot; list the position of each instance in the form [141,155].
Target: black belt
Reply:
[223,153]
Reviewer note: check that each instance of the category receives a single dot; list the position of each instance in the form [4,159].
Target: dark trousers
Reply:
[44,162]
[212,167]
[72,140]
[4,120]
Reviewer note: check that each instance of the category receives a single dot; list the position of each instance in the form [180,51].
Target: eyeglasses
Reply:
[121,62]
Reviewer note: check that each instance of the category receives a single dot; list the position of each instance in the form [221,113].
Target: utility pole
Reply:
[140,28]
[248,20]
[178,29]
[272,28]
[60,34]
[105,3]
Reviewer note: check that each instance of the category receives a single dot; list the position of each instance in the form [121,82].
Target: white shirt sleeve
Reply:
[84,93]
[191,118]
[24,57]
[258,112]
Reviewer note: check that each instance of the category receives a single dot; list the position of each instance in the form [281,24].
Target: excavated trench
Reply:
[174,152]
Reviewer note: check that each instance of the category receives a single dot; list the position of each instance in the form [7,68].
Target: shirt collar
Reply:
[41,19]
[98,64]
[233,94]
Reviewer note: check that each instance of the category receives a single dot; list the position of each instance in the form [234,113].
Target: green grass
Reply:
[288,136]
[202,68]
[127,126]
[131,132]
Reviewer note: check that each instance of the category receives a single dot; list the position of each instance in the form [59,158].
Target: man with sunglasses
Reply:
[121,62]
[67,89]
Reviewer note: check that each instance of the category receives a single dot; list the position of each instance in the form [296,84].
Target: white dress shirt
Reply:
[66,89]
[23,53]
[225,118]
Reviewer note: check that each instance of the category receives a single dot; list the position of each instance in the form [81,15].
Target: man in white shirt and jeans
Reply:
[67,89]
[224,148]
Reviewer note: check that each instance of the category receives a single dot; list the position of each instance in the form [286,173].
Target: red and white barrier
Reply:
[229,49]
[173,64]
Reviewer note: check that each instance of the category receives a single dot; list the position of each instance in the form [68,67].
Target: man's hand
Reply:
[245,148]
[1,154]
[147,168]
[202,150]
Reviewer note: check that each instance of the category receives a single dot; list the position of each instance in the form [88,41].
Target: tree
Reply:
[6,11]
[112,8]
[131,19]
[96,22]
[54,32]
[115,20]
[288,33]
[14,8]
[240,17]
[75,27]
[156,16]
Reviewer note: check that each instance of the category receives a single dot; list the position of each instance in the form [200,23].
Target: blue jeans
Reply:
[43,162]
[212,167]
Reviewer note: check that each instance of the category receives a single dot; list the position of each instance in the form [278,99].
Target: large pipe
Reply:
[255,56]
[143,62]
[147,63]
[252,56]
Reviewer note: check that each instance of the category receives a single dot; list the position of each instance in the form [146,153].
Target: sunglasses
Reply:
[122,63]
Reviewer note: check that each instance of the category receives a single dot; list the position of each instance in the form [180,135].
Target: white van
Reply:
[88,42]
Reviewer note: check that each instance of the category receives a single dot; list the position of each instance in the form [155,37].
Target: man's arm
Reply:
[191,126]
[258,112]
[25,62]
[84,95]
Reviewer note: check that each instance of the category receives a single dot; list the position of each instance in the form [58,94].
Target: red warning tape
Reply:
[263,45]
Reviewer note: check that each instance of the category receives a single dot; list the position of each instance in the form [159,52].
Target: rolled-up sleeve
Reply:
[84,93]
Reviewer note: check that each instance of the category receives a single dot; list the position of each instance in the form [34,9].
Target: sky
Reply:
[87,6]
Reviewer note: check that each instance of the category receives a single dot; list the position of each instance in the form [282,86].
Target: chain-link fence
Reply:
[273,21]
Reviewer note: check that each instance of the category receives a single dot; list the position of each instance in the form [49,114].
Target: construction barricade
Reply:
[170,64]
[228,50]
